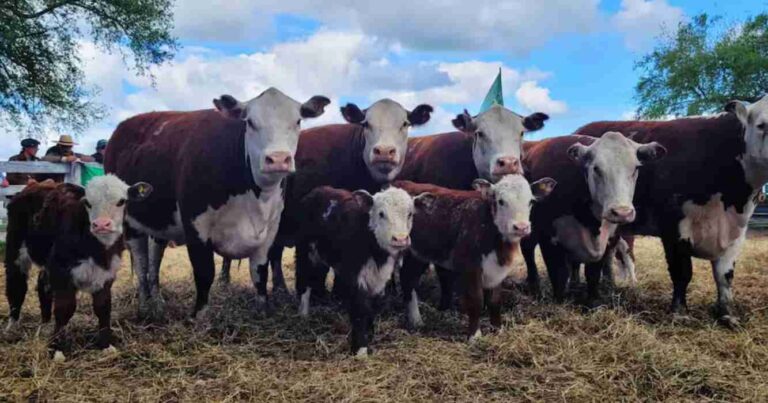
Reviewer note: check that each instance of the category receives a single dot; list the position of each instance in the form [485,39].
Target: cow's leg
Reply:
[275,256]
[340,288]
[102,308]
[138,246]
[203,268]
[64,305]
[593,273]
[226,265]
[494,306]
[575,278]
[44,295]
[410,274]
[360,314]
[304,273]
[473,301]
[259,277]
[625,261]
[447,281]
[557,263]
[723,270]
[156,302]
[680,270]
[528,249]
[16,277]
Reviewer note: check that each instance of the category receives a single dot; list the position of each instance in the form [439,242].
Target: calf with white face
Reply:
[498,139]
[385,128]
[362,237]
[473,234]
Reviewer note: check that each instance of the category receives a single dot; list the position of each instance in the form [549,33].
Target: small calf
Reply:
[76,236]
[363,238]
[474,234]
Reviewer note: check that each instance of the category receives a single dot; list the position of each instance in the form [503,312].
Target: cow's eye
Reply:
[530,203]
[121,203]
[501,202]
[405,124]
[250,123]
[365,125]
[761,126]
[381,214]
[86,203]
[598,172]
[480,134]
[410,215]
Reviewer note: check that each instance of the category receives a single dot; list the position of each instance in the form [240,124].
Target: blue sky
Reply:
[572,59]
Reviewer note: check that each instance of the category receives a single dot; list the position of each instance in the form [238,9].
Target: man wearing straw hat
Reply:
[62,151]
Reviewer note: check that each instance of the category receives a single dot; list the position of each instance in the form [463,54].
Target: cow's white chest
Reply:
[242,225]
[89,277]
[493,272]
[174,232]
[712,229]
[373,278]
[579,241]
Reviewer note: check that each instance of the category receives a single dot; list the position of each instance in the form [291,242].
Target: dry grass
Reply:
[630,350]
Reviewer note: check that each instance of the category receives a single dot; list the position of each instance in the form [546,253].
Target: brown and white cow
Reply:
[363,238]
[597,184]
[700,198]
[218,177]
[472,233]
[367,153]
[76,236]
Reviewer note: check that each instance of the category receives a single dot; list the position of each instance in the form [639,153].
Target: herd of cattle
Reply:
[244,181]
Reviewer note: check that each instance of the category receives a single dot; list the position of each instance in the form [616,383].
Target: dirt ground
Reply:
[632,349]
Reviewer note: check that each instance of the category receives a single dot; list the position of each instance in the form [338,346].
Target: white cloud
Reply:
[514,25]
[537,99]
[641,21]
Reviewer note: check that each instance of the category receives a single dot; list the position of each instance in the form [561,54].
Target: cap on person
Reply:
[101,144]
[66,141]
[29,143]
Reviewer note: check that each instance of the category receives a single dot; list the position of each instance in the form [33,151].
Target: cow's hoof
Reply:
[11,325]
[729,321]
[261,304]
[58,356]
[475,337]
[110,350]
[362,353]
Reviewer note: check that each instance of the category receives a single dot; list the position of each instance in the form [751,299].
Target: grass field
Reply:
[631,349]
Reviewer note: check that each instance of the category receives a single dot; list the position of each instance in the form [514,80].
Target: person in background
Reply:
[29,148]
[62,151]
[101,146]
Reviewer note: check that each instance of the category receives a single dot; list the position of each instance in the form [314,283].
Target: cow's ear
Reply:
[314,107]
[738,109]
[534,121]
[482,186]
[352,113]
[139,191]
[650,152]
[229,107]
[464,122]
[420,115]
[577,151]
[543,187]
[363,198]
[424,201]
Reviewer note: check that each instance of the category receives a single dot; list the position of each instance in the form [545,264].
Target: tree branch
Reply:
[42,12]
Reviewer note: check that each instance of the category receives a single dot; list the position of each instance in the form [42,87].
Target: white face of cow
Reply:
[498,139]
[611,165]
[272,125]
[511,199]
[385,127]
[105,200]
[754,118]
[391,217]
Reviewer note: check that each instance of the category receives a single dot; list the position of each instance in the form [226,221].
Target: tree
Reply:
[41,80]
[697,69]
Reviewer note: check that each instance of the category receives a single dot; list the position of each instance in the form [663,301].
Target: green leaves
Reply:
[41,82]
[702,66]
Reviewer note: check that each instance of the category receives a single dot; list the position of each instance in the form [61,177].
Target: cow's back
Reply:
[441,159]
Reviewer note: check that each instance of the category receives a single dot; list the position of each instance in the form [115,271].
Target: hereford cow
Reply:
[365,154]
[75,236]
[487,146]
[699,199]
[218,177]
[473,233]
[363,238]
[576,223]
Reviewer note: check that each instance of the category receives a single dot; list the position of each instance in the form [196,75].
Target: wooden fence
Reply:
[72,172]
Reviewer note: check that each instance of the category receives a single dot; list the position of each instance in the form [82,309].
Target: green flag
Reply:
[89,172]
[494,96]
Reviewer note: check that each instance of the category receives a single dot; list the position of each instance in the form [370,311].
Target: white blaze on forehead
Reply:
[502,137]
[391,216]
[513,198]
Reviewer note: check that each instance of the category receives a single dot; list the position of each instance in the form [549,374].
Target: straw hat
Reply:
[66,140]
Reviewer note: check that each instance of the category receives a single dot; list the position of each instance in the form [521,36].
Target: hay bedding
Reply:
[631,349]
